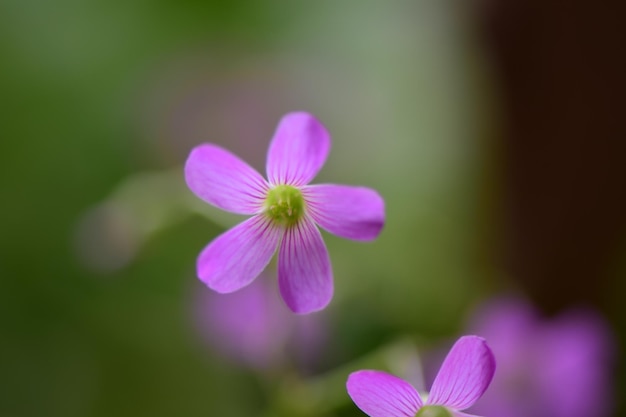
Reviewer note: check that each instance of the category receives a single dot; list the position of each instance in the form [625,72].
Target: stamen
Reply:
[433,411]
[285,204]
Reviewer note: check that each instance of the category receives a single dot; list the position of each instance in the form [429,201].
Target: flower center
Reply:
[433,411]
[284,204]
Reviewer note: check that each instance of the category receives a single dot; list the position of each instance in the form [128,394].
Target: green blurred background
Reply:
[102,102]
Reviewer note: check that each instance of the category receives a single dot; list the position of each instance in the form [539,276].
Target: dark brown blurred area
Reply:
[562,77]
[563,81]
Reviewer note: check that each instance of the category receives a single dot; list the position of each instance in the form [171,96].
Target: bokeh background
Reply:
[494,130]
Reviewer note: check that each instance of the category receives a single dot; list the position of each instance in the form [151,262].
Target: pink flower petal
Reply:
[465,374]
[304,273]
[380,394]
[239,255]
[298,150]
[351,212]
[223,180]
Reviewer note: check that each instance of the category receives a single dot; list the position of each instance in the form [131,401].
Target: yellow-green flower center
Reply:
[284,204]
[433,411]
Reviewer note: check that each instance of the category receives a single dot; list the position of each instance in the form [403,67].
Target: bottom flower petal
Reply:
[238,256]
[380,394]
[464,375]
[304,273]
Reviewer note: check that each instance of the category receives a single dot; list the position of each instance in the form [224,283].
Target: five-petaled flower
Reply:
[285,211]
[462,379]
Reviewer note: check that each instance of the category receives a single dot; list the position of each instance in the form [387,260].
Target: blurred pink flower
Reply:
[463,377]
[252,327]
[556,367]
[285,211]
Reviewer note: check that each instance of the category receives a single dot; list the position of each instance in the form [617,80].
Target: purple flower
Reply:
[285,212]
[251,328]
[546,368]
[462,379]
